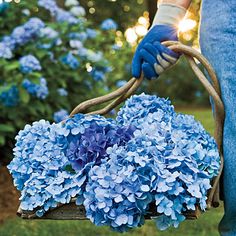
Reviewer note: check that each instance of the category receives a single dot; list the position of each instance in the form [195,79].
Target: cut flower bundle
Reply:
[118,169]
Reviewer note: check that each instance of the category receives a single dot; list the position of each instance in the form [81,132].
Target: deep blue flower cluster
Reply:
[70,60]
[89,138]
[149,157]
[29,64]
[20,36]
[109,24]
[37,90]
[10,96]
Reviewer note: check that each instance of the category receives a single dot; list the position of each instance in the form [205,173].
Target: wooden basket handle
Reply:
[213,89]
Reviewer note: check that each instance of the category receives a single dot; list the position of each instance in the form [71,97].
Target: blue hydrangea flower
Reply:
[10,97]
[139,106]
[26,12]
[49,5]
[78,11]
[109,24]
[82,36]
[121,83]
[94,56]
[62,92]
[60,115]
[24,33]
[74,43]
[116,47]
[91,33]
[89,137]
[70,60]
[5,51]
[29,64]
[115,195]
[65,16]
[38,90]
[39,168]
[49,33]
[97,75]
[70,3]
[60,14]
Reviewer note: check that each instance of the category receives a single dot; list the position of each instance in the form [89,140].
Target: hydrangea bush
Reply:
[150,157]
[52,60]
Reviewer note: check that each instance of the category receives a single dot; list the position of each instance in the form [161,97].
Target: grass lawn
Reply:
[206,225]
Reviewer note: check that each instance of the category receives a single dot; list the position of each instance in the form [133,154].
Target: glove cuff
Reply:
[169,14]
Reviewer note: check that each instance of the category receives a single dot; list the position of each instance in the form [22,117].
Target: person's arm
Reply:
[151,56]
[171,12]
[182,3]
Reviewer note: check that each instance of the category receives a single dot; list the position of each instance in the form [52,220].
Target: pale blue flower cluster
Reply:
[10,96]
[29,64]
[60,14]
[5,52]
[70,60]
[37,90]
[116,194]
[109,24]
[183,156]
[138,107]
[150,158]
[62,92]
[78,11]
[91,33]
[39,168]
[60,115]
[20,36]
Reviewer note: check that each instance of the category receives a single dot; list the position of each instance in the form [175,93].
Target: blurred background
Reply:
[56,54]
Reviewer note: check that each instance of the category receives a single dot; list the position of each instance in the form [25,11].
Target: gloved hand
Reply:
[151,56]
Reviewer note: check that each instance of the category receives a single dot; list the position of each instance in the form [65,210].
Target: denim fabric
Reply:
[218,45]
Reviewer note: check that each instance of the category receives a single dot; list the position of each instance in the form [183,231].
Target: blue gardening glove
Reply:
[151,56]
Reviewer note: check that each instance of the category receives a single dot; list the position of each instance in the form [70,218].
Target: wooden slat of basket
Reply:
[71,211]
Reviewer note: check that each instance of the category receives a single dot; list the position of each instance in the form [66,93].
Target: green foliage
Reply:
[124,12]
[79,82]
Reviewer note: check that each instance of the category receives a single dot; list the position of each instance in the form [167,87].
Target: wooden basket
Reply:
[73,212]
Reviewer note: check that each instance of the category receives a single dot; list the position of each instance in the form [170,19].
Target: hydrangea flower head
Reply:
[70,60]
[24,33]
[62,92]
[38,90]
[109,24]
[89,136]
[78,11]
[114,196]
[60,115]
[5,51]
[139,106]
[29,64]
[39,168]
[70,3]
[10,97]
[91,33]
